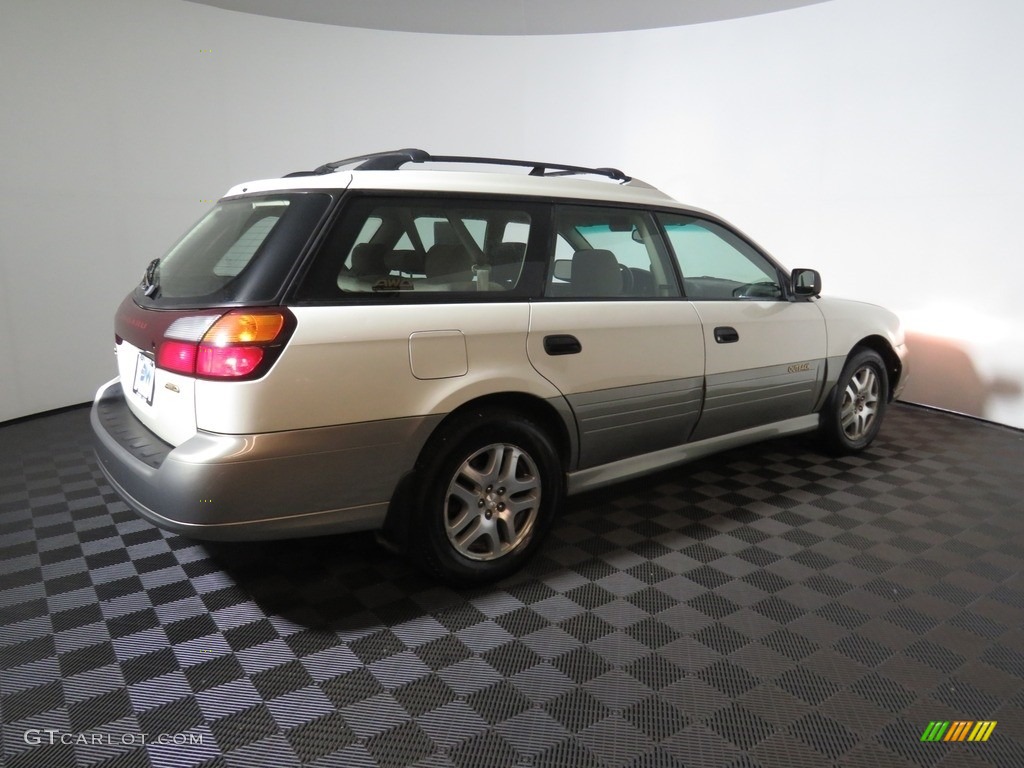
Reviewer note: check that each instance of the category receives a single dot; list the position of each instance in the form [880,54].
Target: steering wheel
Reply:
[627,280]
[763,290]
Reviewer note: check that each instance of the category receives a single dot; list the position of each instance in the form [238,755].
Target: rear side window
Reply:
[242,250]
[401,248]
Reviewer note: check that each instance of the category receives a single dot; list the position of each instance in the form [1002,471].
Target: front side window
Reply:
[388,247]
[608,253]
[717,264]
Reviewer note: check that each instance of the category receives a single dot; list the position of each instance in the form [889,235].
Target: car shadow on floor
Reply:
[352,585]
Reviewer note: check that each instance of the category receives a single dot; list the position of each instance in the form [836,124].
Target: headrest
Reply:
[445,259]
[507,253]
[596,272]
[408,261]
[368,259]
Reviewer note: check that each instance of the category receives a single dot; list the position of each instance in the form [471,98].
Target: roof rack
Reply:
[395,159]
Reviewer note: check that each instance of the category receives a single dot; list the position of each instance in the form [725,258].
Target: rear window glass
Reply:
[241,250]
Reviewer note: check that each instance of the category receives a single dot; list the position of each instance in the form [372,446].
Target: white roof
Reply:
[472,182]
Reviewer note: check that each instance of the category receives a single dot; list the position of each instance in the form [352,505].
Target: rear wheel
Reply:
[853,414]
[491,487]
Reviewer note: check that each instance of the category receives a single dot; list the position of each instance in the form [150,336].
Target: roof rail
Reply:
[395,159]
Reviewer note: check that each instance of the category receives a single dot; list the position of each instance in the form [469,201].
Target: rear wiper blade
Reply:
[151,279]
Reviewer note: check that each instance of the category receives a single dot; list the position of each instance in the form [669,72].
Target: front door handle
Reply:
[562,344]
[726,335]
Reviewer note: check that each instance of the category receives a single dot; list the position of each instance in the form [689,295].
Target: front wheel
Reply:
[853,414]
[491,488]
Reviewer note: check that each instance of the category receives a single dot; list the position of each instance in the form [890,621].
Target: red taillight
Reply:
[227,362]
[230,346]
[178,356]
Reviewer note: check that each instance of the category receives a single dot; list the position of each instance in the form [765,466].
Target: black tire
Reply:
[854,411]
[491,482]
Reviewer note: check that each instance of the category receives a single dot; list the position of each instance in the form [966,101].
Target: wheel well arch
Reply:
[893,366]
[395,530]
[542,412]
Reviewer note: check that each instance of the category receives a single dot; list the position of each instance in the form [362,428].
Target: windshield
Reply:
[242,250]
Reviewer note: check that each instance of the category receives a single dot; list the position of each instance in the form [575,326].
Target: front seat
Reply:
[595,273]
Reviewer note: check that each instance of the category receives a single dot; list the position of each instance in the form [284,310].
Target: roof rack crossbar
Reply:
[395,159]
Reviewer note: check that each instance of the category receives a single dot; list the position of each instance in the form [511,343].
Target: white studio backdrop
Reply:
[879,141]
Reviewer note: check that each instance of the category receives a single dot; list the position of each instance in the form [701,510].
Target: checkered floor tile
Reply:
[766,607]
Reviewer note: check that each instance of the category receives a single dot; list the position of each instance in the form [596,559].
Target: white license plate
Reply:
[145,378]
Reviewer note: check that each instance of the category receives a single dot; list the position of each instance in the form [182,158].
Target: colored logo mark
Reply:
[958,730]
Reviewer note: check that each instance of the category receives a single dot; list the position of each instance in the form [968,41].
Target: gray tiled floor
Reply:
[766,607]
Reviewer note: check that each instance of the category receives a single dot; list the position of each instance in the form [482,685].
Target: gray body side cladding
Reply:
[342,478]
[627,421]
[275,485]
[635,466]
[739,400]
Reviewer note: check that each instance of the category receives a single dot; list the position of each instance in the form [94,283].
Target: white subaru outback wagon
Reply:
[442,348]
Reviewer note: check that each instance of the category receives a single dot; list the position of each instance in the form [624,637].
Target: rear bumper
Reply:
[245,487]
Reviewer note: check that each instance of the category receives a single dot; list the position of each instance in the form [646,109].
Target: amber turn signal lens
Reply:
[247,328]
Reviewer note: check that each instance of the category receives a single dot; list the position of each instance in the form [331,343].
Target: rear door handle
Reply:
[726,335]
[562,344]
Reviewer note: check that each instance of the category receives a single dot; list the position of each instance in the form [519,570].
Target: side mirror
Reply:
[563,270]
[806,282]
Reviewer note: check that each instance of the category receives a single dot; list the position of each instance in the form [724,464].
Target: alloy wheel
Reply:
[860,403]
[492,502]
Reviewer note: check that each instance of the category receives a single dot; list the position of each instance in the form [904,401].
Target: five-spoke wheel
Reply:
[492,502]
[859,408]
[491,484]
[853,414]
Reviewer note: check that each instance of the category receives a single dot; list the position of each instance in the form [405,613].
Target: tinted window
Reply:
[717,264]
[609,253]
[242,250]
[402,247]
